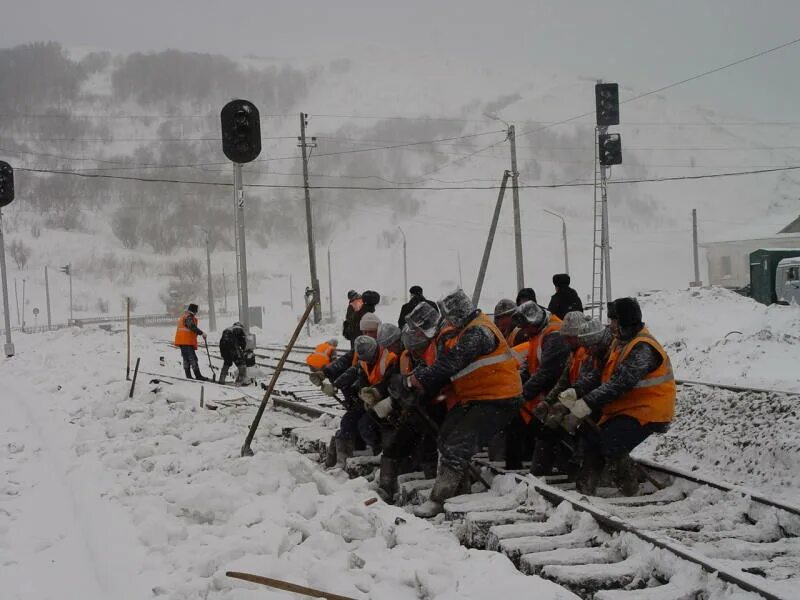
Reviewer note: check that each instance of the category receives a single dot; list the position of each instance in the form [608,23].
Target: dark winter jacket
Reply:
[641,360]
[232,344]
[563,301]
[475,342]
[350,330]
[555,354]
[411,305]
[589,375]
[335,369]
[191,324]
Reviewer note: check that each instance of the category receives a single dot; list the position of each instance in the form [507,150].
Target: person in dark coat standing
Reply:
[565,299]
[416,298]
[526,295]
[353,316]
[232,346]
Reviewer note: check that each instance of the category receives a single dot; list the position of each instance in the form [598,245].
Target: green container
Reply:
[763,264]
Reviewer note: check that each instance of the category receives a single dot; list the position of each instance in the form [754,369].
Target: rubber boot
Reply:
[188,372]
[448,481]
[198,375]
[624,475]
[344,450]
[387,484]
[241,375]
[330,457]
[222,374]
[589,473]
[544,457]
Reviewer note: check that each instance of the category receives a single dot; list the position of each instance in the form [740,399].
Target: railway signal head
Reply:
[609,148]
[606,98]
[6,184]
[65,269]
[241,131]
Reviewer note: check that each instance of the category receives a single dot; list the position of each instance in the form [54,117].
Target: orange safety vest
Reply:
[652,400]
[183,335]
[321,357]
[579,356]
[375,373]
[533,356]
[494,376]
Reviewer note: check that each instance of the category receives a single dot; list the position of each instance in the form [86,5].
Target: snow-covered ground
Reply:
[108,497]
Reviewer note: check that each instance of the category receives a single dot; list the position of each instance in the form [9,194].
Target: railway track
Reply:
[694,538]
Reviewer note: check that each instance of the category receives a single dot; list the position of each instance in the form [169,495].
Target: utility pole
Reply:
[330,284]
[244,307]
[16,301]
[696,282]
[212,317]
[476,294]
[512,138]
[225,289]
[458,257]
[291,294]
[69,274]
[236,241]
[405,265]
[23,305]
[47,296]
[312,251]
[8,348]
[606,234]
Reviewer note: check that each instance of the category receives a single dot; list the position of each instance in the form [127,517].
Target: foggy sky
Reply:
[643,44]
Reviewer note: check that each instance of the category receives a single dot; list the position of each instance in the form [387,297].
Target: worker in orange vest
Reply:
[545,354]
[635,398]
[186,339]
[503,311]
[486,386]
[323,355]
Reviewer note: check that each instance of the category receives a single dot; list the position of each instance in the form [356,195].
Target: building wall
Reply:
[729,262]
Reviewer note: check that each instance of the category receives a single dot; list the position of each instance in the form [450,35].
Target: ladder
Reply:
[598,245]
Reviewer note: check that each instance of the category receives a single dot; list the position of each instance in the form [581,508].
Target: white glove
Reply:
[568,398]
[580,409]
[327,388]
[369,396]
[383,408]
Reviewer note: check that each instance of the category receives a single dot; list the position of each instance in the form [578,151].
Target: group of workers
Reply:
[552,386]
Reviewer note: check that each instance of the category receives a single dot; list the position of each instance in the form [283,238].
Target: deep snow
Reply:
[106,497]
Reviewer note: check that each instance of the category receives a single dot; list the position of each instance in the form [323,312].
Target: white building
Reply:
[729,260]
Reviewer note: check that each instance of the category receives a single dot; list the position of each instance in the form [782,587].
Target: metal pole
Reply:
[23,305]
[291,294]
[330,284]
[225,289]
[8,348]
[476,294]
[458,257]
[405,265]
[312,252]
[70,294]
[236,253]
[517,220]
[696,281]
[212,317]
[47,296]
[244,311]
[563,236]
[16,301]
[606,232]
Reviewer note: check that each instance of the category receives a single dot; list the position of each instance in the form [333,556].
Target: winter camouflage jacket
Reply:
[555,354]
[641,360]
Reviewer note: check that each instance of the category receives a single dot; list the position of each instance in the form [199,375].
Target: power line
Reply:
[414,188]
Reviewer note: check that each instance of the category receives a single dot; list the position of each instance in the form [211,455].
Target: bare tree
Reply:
[20,253]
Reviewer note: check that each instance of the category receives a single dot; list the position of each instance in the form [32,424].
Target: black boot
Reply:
[387,484]
[589,473]
[446,486]
[330,457]
[624,474]
[544,457]
[223,374]
[198,375]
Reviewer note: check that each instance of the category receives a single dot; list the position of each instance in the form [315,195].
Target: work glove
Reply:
[383,408]
[204,336]
[568,398]
[541,411]
[580,409]
[557,414]
[327,388]
[369,396]
[317,377]
[570,423]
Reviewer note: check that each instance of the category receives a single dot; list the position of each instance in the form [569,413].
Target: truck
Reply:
[787,281]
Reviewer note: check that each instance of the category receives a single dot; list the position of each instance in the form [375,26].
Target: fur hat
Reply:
[526,295]
[628,311]
[193,308]
[561,280]
[415,290]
